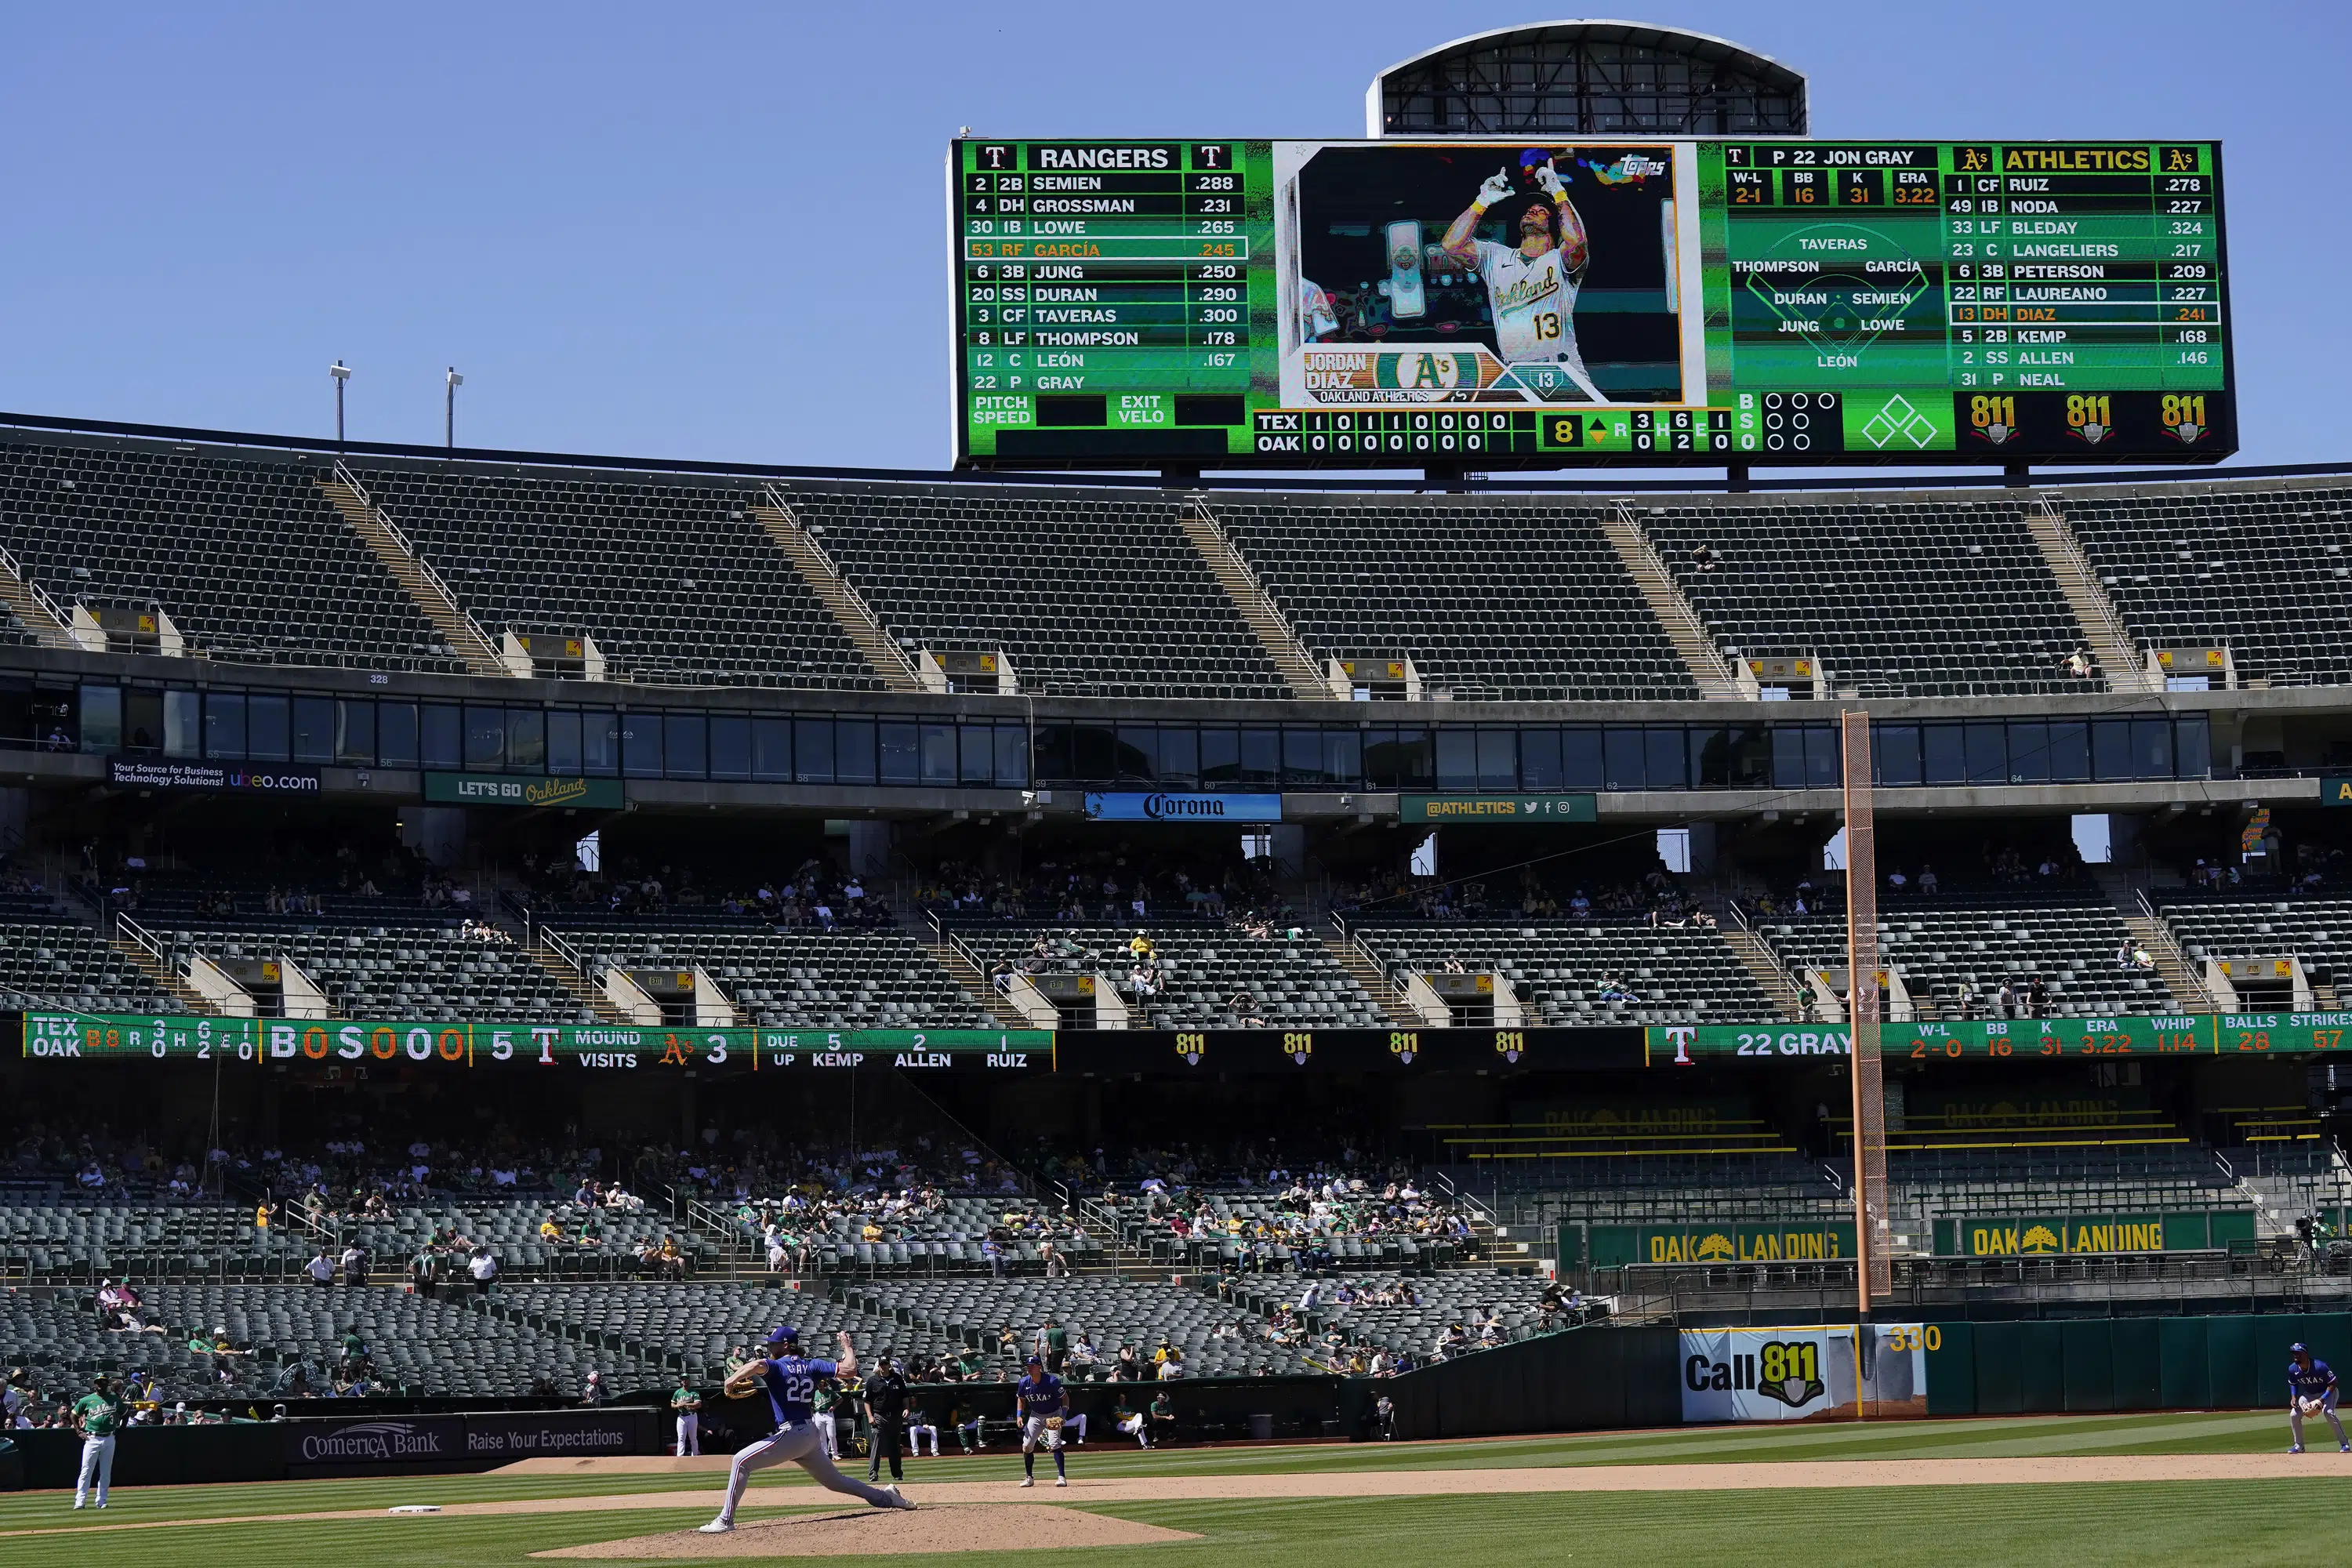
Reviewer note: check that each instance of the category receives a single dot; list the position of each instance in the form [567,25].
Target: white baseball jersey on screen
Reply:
[1531,297]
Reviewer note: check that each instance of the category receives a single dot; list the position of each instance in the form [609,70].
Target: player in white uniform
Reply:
[1530,289]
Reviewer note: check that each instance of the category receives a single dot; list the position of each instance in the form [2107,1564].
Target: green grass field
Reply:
[2254,1521]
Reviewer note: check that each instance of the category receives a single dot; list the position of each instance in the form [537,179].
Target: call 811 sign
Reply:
[1237,303]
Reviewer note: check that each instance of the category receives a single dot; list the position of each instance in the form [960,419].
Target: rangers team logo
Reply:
[1680,1037]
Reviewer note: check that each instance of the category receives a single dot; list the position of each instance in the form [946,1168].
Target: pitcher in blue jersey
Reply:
[1038,1401]
[2311,1391]
[789,1380]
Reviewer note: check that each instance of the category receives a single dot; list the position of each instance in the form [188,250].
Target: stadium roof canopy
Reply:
[1583,78]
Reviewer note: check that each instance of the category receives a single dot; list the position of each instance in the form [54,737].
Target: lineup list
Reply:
[2004,268]
[1105,285]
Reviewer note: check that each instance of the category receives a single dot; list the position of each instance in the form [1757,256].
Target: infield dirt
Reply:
[2043,1470]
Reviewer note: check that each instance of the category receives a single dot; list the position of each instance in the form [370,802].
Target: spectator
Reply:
[1704,558]
[320,1271]
[484,1269]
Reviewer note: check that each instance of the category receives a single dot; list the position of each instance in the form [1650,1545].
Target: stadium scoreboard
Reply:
[1500,304]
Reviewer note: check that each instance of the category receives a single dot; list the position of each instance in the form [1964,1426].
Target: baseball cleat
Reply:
[1028,1481]
[899,1499]
[2296,1450]
[1061,1480]
[716,1527]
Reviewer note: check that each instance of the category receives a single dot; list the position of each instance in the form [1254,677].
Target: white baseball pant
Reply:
[98,1460]
[915,1440]
[832,1440]
[797,1442]
[1035,1433]
[689,1433]
[1136,1425]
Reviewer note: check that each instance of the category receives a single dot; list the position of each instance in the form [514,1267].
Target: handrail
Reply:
[125,926]
[1261,600]
[1795,997]
[555,943]
[1704,639]
[2172,945]
[1390,995]
[40,595]
[424,567]
[2136,677]
[850,597]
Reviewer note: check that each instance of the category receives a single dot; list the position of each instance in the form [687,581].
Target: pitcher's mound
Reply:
[984,1527]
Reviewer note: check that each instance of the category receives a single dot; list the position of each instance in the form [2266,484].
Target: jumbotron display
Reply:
[1497,305]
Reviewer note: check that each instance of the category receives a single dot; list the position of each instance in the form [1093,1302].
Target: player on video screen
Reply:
[1531,288]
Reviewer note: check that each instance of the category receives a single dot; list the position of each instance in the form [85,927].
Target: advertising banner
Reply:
[2057,1234]
[369,1441]
[1163,807]
[254,778]
[561,1434]
[499,789]
[377,1443]
[1806,1240]
[1827,1372]
[1502,808]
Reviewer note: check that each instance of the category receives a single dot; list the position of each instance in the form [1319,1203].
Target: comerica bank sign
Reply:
[1164,807]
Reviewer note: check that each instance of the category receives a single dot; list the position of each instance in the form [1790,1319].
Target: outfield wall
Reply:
[2224,1363]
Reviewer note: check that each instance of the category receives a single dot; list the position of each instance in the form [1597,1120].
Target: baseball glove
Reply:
[1053,1423]
[2310,1406]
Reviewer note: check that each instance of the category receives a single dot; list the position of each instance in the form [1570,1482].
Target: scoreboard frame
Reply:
[1462,408]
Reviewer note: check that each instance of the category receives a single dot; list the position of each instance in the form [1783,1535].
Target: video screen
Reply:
[1540,273]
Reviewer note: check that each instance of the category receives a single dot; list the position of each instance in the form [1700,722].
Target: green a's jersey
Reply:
[824,1393]
[99,1414]
[685,1399]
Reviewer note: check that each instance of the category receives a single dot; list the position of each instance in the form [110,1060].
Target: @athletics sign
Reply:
[1168,808]
[1496,807]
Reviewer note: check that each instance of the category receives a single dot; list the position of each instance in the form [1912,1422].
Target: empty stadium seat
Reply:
[1509,599]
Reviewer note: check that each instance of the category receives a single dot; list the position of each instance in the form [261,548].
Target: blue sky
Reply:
[716,231]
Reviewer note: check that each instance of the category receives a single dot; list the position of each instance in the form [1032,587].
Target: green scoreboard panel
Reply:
[1499,305]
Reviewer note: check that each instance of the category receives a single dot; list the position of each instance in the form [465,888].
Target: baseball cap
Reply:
[1036,1360]
[2298,1348]
[783,1334]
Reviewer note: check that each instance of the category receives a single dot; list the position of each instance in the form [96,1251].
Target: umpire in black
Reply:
[886,1411]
